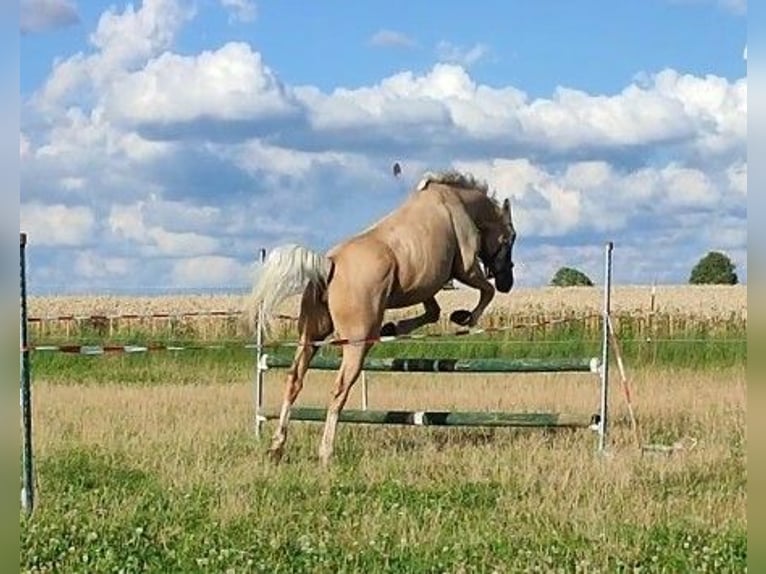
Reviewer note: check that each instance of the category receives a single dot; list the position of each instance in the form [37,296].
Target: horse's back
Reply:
[414,242]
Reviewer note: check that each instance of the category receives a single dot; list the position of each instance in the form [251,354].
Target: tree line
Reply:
[715,268]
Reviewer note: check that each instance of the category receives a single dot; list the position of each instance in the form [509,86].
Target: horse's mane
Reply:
[454,178]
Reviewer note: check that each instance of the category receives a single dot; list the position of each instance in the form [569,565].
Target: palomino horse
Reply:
[445,228]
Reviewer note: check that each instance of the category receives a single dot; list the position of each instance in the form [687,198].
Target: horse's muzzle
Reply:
[504,280]
[501,269]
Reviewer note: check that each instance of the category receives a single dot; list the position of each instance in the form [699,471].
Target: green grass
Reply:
[147,463]
[234,362]
[101,513]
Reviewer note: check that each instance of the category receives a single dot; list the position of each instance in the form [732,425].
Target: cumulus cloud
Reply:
[90,265]
[43,15]
[122,41]
[231,84]
[128,222]
[231,94]
[209,271]
[440,108]
[391,38]
[128,37]
[56,225]
[188,163]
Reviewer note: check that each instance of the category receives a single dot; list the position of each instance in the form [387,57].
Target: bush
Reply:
[715,268]
[568,277]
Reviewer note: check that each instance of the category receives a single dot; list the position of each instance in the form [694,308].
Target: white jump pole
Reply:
[602,426]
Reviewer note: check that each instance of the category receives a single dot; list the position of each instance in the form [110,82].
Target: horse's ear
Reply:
[507,215]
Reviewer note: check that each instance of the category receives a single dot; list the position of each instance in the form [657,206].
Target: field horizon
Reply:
[724,299]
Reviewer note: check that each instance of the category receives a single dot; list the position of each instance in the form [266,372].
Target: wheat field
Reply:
[682,308]
[695,300]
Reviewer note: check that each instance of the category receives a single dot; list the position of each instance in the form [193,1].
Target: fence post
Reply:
[28,489]
[259,375]
[365,396]
[602,428]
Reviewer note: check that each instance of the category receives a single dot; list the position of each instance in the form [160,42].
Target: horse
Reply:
[448,227]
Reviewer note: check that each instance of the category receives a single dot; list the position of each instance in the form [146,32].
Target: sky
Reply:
[163,143]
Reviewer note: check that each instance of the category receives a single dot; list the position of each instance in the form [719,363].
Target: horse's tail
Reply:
[287,271]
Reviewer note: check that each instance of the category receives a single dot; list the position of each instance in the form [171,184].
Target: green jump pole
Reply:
[442,418]
[449,365]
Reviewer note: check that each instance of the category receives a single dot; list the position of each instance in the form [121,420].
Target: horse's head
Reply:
[497,242]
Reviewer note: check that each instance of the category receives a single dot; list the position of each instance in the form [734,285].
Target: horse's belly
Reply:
[413,294]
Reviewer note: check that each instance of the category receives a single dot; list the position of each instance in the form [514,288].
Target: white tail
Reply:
[287,271]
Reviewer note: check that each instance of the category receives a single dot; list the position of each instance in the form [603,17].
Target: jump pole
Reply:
[604,367]
[443,418]
[597,422]
[426,365]
[258,391]
[28,488]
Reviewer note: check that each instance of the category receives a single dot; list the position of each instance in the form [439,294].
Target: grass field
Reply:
[149,463]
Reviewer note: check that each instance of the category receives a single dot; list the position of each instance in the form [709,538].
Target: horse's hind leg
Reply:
[315,324]
[430,315]
[351,367]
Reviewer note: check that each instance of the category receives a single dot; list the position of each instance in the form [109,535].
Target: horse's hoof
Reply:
[461,317]
[388,330]
[275,454]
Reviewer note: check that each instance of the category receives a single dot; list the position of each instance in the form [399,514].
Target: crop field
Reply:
[666,311]
[149,462]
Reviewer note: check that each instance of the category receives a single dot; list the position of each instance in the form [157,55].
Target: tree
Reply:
[569,277]
[715,268]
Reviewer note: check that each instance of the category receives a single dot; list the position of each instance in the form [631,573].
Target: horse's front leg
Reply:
[430,315]
[473,278]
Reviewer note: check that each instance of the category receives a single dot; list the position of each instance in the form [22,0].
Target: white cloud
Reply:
[123,40]
[43,15]
[665,204]
[209,271]
[543,204]
[131,36]
[91,264]
[462,55]
[737,176]
[57,225]
[445,106]
[193,161]
[240,10]
[127,222]
[83,156]
[230,93]
[231,83]
[687,187]
[391,38]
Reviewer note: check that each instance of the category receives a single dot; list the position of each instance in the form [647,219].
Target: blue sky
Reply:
[164,142]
